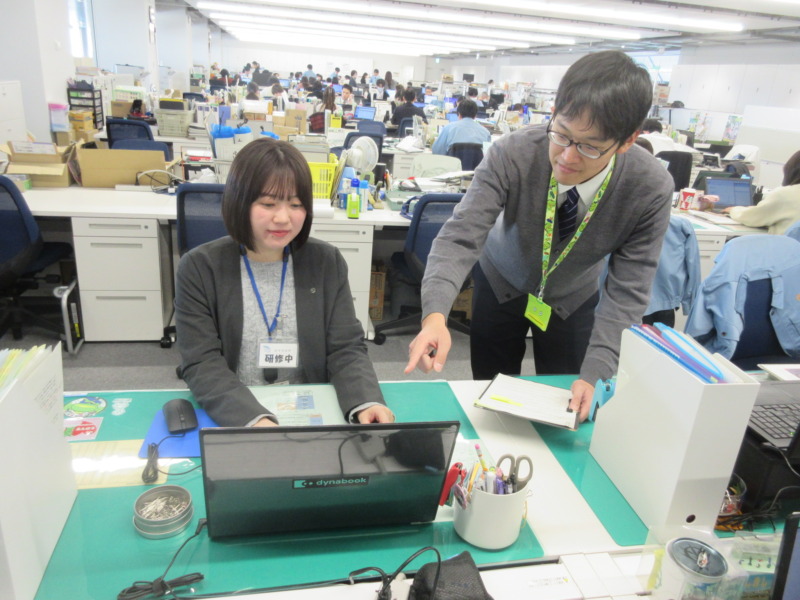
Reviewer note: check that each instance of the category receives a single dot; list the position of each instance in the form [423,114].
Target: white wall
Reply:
[201,54]
[174,45]
[36,52]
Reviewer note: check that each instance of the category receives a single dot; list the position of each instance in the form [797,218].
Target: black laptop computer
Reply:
[287,479]
[731,192]
[786,585]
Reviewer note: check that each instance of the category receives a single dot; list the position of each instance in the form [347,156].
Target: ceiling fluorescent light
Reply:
[400,37]
[431,15]
[374,36]
[397,32]
[643,17]
[335,44]
[229,10]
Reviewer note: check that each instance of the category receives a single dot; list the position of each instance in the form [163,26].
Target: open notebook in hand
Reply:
[529,400]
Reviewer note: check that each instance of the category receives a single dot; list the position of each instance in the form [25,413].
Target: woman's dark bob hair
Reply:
[265,166]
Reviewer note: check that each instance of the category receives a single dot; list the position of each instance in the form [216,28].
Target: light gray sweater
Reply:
[500,222]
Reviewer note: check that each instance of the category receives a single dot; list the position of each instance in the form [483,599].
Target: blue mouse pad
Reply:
[180,445]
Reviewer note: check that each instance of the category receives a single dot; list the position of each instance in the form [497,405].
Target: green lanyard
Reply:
[547,241]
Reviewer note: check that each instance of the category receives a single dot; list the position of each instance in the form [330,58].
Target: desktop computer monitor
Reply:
[419,104]
[430,99]
[468,77]
[285,83]
[337,88]
[452,116]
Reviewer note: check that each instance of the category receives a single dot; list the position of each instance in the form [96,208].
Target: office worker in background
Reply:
[780,208]
[309,72]
[376,75]
[253,92]
[269,282]
[389,81]
[278,97]
[328,102]
[407,110]
[398,99]
[380,92]
[464,131]
[472,94]
[545,207]
[652,132]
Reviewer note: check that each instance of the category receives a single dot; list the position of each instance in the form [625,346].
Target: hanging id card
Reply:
[277,355]
[538,312]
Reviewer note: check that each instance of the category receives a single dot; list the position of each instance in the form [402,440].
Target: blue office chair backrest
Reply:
[470,155]
[430,213]
[199,214]
[406,127]
[21,240]
[680,167]
[758,341]
[794,231]
[371,127]
[354,135]
[123,129]
[141,144]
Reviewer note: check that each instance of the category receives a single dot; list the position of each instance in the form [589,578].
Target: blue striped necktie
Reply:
[568,214]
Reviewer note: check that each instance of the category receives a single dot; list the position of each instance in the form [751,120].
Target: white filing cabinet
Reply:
[355,244]
[401,164]
[709,246]
[123,274]
[12,112]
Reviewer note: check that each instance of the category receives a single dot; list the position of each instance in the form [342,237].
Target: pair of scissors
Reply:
[516,478]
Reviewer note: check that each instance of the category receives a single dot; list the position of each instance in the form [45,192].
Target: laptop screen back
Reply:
[786,585]
[731,192]
[366,113]
[285,479]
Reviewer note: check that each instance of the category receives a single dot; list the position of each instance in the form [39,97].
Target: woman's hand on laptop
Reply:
[377,413]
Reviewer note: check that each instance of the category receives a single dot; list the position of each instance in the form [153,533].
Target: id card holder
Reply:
[275,354]
[538,312]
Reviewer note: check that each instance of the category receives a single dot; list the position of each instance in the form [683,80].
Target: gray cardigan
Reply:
[209,321]
[500,222]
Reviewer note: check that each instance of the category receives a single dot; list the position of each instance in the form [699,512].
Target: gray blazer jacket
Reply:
[209,321]
[501,222]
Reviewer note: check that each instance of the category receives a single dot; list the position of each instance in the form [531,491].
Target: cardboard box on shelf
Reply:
[284,132]
[81,119]
[65,138]
[102,168]
[121,108]
[44,162]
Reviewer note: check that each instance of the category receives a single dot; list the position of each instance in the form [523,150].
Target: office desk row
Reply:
[126,252]
[99,551]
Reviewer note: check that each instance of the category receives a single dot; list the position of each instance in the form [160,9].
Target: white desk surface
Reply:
[78,201]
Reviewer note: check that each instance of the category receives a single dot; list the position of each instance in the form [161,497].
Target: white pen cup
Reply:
[491,521]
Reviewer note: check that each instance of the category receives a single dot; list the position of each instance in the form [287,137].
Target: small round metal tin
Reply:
[162,511]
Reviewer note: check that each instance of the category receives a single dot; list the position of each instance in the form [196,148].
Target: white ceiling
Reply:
[641,25]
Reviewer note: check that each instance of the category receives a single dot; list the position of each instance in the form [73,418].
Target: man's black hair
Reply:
[467,109]
[409,95]
[611,90]
[651,125]
[472,92]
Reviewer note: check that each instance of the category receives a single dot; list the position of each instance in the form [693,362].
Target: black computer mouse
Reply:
[180,416]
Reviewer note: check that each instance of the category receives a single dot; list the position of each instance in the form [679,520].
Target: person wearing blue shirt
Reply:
[309,72]
[376,74]
[463,131]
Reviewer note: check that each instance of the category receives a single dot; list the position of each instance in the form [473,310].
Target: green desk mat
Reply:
[571,449]
[99,553]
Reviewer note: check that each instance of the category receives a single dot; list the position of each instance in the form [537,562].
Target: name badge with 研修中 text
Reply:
[277,355]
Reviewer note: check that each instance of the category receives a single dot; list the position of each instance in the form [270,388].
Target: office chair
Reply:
[470,155]
[23,257]
[793,231]
[677,276]
[199,221]
[430,213]
[138,144]
[431,165]
[124,129]
[371,127]
[747,308]
[406,127]
[680,167]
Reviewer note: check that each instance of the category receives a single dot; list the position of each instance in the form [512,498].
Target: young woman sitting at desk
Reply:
[269,295]
[779,208]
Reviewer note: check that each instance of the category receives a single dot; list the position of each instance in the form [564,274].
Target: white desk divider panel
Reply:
[668,440]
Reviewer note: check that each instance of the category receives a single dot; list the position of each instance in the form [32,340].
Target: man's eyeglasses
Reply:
[587,150]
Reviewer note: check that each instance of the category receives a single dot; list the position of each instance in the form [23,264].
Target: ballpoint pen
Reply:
[480,457]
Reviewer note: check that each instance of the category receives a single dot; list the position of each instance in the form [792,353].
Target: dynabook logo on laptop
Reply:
[300,484]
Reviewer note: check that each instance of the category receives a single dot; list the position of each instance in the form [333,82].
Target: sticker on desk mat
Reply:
[84,406]
[81,429]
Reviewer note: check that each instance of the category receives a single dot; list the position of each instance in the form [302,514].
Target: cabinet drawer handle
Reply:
[120,297]
[115,245]
[345,249]
[115,226]
[337,231]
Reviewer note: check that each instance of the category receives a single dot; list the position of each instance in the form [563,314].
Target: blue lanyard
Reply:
[270,327]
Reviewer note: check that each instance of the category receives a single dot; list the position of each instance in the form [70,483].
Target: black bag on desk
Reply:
[459,579]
